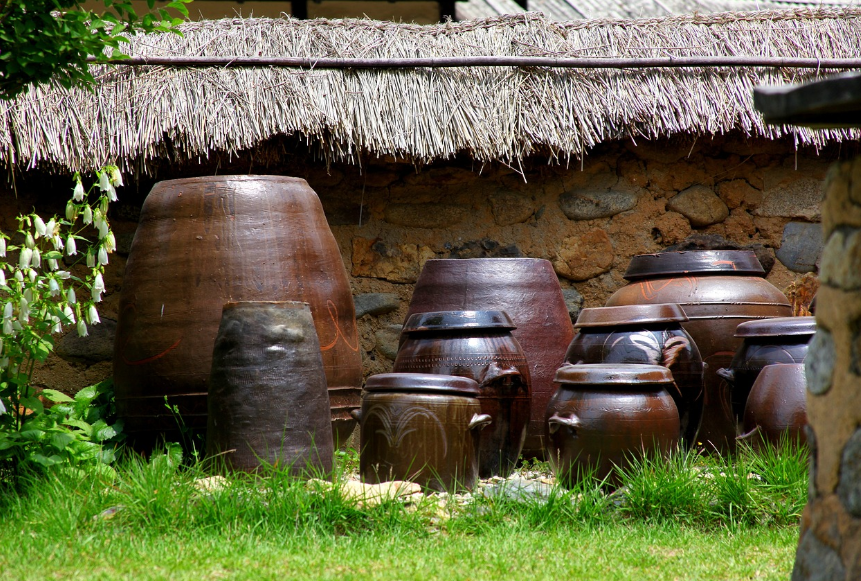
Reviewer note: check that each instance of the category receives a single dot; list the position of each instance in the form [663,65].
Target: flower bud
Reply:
[78,193]
[28,241]
[7,310]
[71,211]
[7,327]
[93,315]
[2,277]
[110,242]
[25,257]
[39,226]
[71,247]
[64,274]
[23,310]
[19,276]
[2,247]
[28,295]
[36,259]
[91,259]
[82,328]
[31,274]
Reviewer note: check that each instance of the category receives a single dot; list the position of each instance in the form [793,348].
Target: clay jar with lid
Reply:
[478,345]
[776,409]
[766,342]
[420,427]
[718,289]
[268,402]
[650,335]
[605,414]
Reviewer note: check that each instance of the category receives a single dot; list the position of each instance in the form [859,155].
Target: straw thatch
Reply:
[140,114]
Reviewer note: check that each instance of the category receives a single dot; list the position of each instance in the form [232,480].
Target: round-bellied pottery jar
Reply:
[420,427]
[766,342]
[776,409]
[718,289]
[525,288]
[268,402]
[605,414]
[478,345]
[650,335]
[205,241]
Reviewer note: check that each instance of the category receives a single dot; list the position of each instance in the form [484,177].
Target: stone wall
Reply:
[587,218]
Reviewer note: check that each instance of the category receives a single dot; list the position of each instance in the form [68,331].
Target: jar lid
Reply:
[728,262]
[448,320]
[422,383]
[612,374]
[777,326]
[631,315]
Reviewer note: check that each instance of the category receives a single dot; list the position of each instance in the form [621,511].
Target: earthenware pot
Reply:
[525,288]
[478,345]
[645,334]
[766,342]
[718,289]
[603,415]
[777,408]
[420,427]
[268,402]
[200,243]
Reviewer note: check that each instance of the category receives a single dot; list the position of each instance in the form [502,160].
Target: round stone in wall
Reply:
[700,205]
[849,487]
[801,246]
[819,364]
[593,204]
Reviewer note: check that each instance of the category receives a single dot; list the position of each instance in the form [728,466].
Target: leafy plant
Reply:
[38,298]
[50,40]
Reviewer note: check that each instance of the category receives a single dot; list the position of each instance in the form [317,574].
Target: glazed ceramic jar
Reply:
[605,414]
[421,427]
[268,402]
[205,241]
[776,409]
[718,289]
[645,334]
[525,288]
[766,342]
[478,345]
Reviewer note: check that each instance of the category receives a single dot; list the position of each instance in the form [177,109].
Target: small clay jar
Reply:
[603,415]
[776,409]
[478,345]
[420,427]
[765,342]
[645,334]
[268,401]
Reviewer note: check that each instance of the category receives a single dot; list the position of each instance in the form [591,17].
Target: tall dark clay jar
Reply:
[420,427]
[603,415]
[650,335]
[776,410]
[200,243]
[718,289]
[478,345]
[525,288]
[267,391]
[766,342]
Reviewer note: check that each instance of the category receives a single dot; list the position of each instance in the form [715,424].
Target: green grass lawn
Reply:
[687,518]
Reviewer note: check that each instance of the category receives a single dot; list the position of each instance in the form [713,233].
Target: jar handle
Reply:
[749,435]
[727,374]
[571,421]
[479,421]
[357,414]
[493,372]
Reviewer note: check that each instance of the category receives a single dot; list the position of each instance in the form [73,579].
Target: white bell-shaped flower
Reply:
[99,282]
[19,276]
[7,310]
[36,259]
[96,295]
[70,296]
[39,226]
[31,274]
[53,287]
[69,314]
[7,327]
[103,228]
[29,242]
[57,326]
[2,277]
[50,228]
[28,295]
[71,211]
[25,257]
[88,215]
[91,259]
[23,310]
[93,315]
[82,328]
[104,181]
[53,264]
[71,247]
[110,242]
[2,247]
[103,256]
[78,193]
[116,177]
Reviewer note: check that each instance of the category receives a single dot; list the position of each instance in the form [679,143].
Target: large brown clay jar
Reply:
[766,342]
[776,410]
[649,335]
[268,403]
[202,242]
[421,427]
[478,345]
[718,289]
[525,288]
[604,415]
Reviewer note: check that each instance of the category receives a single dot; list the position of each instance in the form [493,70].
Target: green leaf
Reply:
[32,403]
[86,395]
[61,439]
[46,461]
[55,396]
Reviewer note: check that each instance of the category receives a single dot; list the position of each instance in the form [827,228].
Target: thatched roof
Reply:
[138,114]
[576,9]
